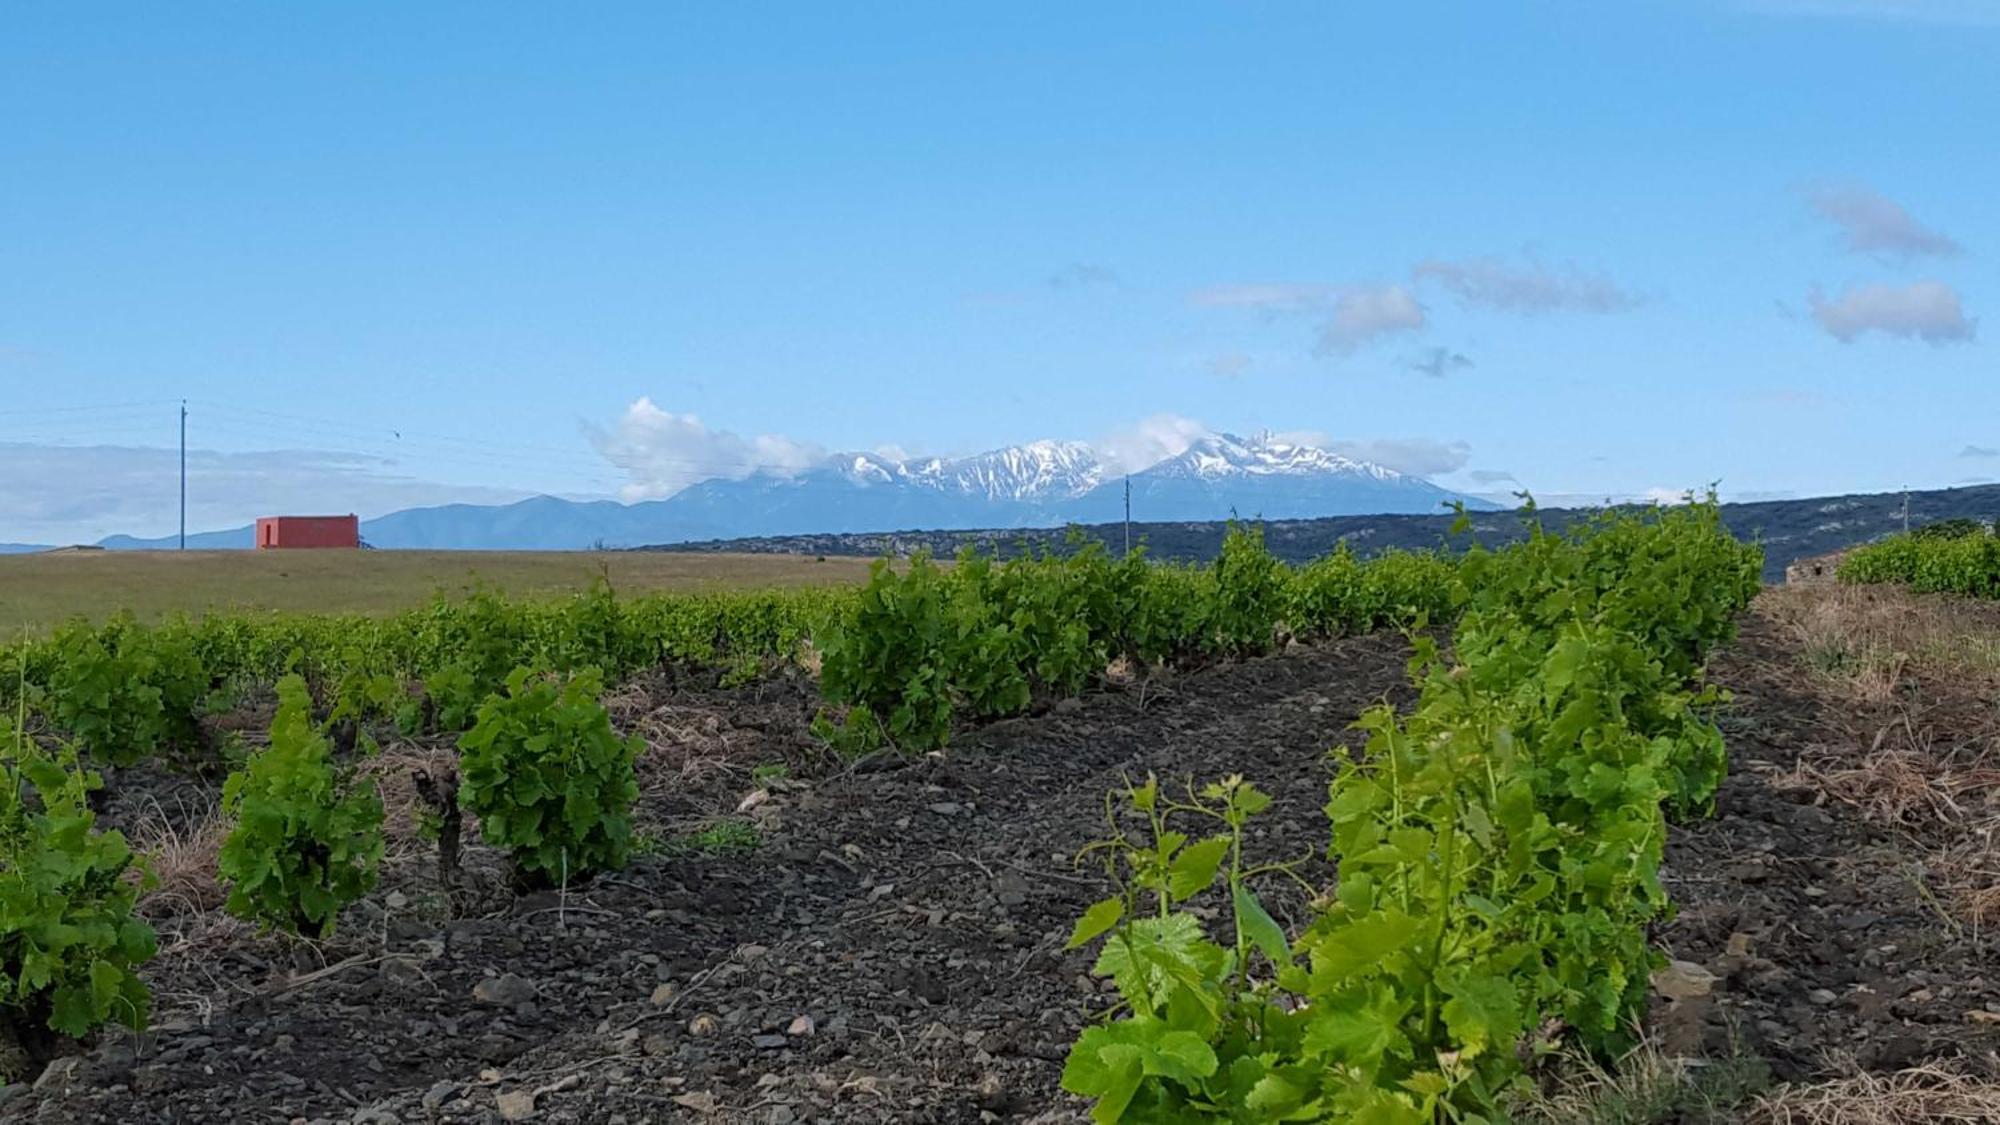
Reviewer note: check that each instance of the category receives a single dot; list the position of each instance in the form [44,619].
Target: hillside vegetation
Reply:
[1788,530]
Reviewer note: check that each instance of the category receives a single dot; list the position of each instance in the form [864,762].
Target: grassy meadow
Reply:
[40,590]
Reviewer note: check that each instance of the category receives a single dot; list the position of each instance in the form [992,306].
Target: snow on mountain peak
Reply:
[1050,470]
[1221,454]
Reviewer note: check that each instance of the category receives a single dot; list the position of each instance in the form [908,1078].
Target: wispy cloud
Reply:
[79,494]
[1872,223]
[1424,457]
[662,453]
[1490,476]
[1148,442]
[1979,451]
[1925,310]
[1439,362]
[1267,297]
[1531,288]
[1227,365]
[1361,316]
[1350,317]
[1082,275]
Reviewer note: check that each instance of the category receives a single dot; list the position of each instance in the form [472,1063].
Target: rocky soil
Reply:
[890,950]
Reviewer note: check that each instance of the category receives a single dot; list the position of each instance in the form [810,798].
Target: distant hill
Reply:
[1040,484]
[1788,529]
[20,548]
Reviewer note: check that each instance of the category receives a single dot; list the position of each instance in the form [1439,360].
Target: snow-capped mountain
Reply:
[1039,484]
[1028,472]
[1221,455]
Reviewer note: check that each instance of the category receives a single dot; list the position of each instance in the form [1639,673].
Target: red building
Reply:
[275,532]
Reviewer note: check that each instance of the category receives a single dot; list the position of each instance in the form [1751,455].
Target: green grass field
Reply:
[37,591]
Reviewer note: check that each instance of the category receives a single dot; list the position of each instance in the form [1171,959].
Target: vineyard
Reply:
[1069,836]
[1948,557]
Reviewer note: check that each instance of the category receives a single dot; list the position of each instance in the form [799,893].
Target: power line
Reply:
[147,403]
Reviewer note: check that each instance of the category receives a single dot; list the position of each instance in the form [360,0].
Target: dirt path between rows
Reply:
[892,953]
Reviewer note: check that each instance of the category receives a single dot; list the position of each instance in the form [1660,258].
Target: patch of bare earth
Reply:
[800,939]
[1835,916]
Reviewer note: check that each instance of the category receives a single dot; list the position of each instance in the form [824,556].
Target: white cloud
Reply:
[1424,457]
[662,452]
[1227,365]
[1351,316]
[1533,288]
[1490,476]
[1360,316]
[1925,310]
[1872,223]
[61,494]
[1272,297]
[1148,442]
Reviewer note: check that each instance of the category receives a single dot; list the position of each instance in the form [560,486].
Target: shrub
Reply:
[306,838]
[1956,528]
[888,656]
[125,692]
[548,778]
[69,943]
[1498,856]
[1968,565]
[1249,594]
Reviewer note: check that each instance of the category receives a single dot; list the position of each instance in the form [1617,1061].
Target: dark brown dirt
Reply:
[1834,943]
[891,951]
[911,917]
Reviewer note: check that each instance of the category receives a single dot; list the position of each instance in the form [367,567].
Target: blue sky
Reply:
[396,254]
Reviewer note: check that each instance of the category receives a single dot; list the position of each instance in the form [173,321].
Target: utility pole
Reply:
[1906,509]
[184,474]
[1128,515]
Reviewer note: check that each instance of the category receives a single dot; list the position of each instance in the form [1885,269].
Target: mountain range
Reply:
[1040,484]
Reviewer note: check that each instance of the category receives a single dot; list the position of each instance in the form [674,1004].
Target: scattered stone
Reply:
[800,1026]
[664,995]
[506,991]
[63,1074]
[438,1094]
[515,1105]
[1683,980]
[701,1101]
[704,1024]
[1821,996]
[992,1093]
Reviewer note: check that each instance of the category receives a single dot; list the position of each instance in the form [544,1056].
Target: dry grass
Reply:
[38,591]
[1936,1093]
[1910,683]
[1900,787]
[1969,871]
[1864,643]
[181,850]
[403,810]
[1645,1087]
